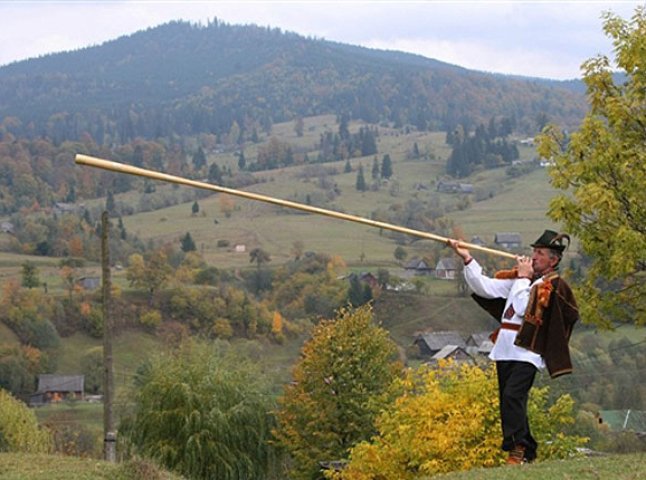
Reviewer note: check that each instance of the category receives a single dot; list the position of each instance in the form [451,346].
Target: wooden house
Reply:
[508,240]
[417,266]
[447,268]
[56,388]
[429,343]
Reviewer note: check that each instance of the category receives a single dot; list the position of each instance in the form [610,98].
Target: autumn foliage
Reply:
[339,386]
[446,419]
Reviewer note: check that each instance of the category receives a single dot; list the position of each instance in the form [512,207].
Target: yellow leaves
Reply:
[446,420]
[19,427]
[277,323]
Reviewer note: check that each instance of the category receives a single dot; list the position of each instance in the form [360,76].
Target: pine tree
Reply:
[348,167]
[242,161]
[195,209]
[109,202]
[215,175]
[187,243]
[375,169]
[361,181]
[199,159]
[386,167]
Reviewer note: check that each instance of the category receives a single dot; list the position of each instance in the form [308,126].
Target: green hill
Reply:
[186,79]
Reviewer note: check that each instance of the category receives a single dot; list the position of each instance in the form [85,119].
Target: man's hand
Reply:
[463,252]
[525,269]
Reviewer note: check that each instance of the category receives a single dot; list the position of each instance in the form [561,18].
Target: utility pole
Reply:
[109,434]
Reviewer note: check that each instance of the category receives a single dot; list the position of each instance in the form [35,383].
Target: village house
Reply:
[479,343]
[508,240]
[417,266]
[89,283]
[446,268]
[430,343]
[7,227]
[364,277]
[56,388]
[62,207]
[453,352]
[454,187]
[476,240]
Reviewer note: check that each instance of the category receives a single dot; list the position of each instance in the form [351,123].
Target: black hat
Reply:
[552,240]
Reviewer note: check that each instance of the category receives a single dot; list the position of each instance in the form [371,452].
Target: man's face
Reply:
[542,261]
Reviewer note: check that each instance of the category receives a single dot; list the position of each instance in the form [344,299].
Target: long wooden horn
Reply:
[142,172]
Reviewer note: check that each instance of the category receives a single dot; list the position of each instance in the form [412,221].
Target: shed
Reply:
[429,343]
[508,240]
[89,283]
[55,388]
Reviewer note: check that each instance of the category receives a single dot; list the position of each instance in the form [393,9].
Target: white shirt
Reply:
[516,292]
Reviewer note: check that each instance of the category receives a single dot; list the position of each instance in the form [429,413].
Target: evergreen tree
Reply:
[355,292]
[299,126]
[242,161]
[187,243]
[122,229]
[71,195]
[215,175]
[138,156]
[195,209]
[109,202]
[348,167]
[199,159]
[375,169]
[361,181]
[386,166]
[344,131]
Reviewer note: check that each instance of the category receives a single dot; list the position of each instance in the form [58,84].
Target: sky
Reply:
[540,38]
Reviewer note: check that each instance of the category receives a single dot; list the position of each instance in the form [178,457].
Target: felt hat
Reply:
[552,240]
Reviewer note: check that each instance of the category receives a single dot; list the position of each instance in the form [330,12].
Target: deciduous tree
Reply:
[340,384]
[204,413]
[602,169]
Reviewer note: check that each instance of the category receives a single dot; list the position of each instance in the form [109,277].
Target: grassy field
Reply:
[516,205]
[611,467]
[48,467]
[15,466]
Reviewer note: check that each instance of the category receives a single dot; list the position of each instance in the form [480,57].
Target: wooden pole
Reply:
[142,172]
[109,434]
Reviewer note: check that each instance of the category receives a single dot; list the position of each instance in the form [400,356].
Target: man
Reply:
[537,311]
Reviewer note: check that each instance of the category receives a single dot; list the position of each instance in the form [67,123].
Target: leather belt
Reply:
[505,326]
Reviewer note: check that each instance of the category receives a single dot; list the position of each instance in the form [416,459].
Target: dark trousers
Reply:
[514,382]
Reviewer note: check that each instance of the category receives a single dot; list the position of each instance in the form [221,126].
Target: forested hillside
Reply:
[185,79]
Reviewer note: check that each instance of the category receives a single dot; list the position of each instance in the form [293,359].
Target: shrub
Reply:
[19,430]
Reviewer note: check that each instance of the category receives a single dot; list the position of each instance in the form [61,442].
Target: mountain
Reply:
[184,79]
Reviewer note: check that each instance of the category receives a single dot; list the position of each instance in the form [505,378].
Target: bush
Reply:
[19,430]
[447,419]
[203,412]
